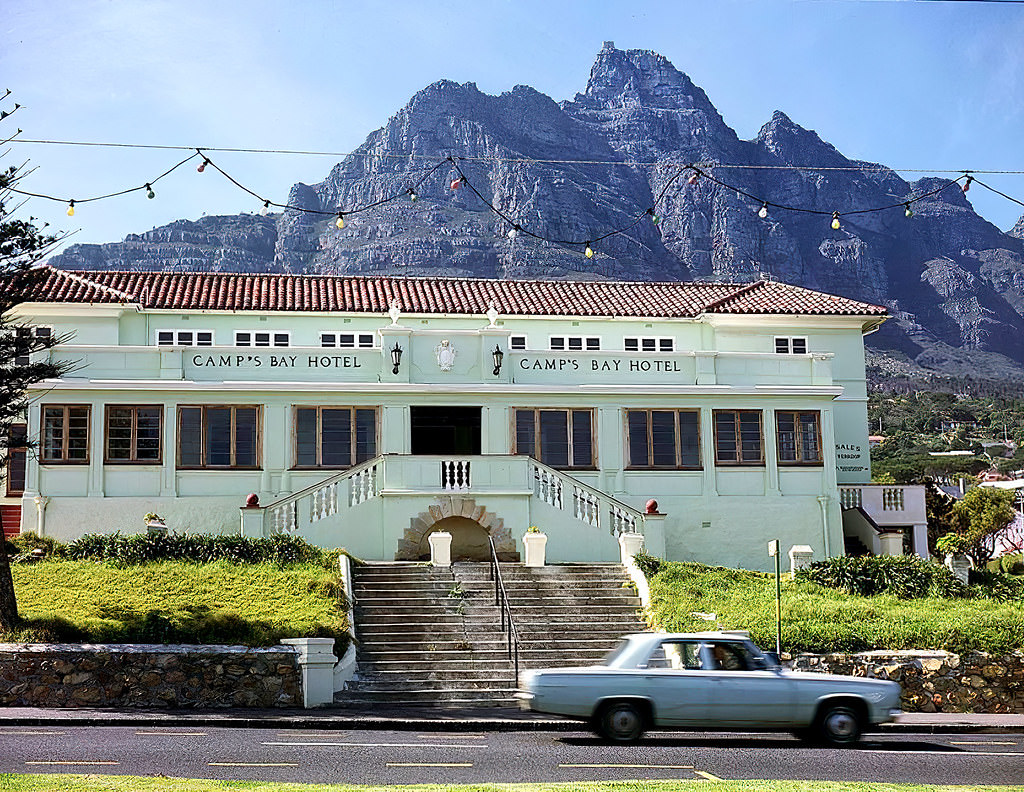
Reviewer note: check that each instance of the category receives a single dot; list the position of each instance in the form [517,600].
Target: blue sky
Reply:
[925,85]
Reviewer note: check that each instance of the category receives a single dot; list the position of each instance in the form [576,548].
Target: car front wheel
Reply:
[839,724]
[621,722]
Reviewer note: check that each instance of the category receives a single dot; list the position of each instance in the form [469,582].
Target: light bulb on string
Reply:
[513,232]
[588,251]
[340,222]
[835,221]
[693,177]
[456,183]
[202,165]
[967,184]
[908,212]
[413,195]
[763,211]
[265,209]
[71,208]
[655,218]
[149,190]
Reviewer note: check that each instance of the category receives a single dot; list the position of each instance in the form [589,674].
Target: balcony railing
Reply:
[886,504]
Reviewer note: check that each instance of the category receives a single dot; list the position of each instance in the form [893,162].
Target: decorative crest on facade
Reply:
[492,313]
[395,311]
[445,355]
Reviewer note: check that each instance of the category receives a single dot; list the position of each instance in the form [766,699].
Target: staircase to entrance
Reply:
[431,636]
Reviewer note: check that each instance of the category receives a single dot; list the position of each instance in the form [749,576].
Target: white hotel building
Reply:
[366,413]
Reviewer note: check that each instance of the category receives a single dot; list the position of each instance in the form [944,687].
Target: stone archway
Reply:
[440,516]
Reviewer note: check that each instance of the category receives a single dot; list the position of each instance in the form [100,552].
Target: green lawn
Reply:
[95,783]
[221,602]
[818,619]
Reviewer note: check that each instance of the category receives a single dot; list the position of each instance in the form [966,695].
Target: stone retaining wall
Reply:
[165,677]
[936,681]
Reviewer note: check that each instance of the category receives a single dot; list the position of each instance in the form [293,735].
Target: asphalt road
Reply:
[407,757]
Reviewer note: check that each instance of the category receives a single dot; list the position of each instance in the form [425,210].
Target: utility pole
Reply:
[773,550]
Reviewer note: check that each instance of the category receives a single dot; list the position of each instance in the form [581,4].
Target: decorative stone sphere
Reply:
[252,500]
[652,506]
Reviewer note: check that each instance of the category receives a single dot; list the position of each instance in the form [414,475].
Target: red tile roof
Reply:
[418,295]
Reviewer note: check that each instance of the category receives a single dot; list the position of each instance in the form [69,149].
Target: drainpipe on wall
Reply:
[823,502]
[40,502]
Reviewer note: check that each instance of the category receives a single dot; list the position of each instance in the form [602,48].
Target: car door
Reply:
[677,683]
[742,692]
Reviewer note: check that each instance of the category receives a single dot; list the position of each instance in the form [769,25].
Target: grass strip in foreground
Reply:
[99,783]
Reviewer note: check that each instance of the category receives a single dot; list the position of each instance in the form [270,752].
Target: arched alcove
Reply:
[469,525]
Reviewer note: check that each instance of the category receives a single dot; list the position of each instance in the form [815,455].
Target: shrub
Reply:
[648,564]
[906,577]
[1011,564]
[997,586]
[194,548]
[24,544]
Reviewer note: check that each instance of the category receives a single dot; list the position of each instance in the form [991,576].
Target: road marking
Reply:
[945,753]
[31,732]
[631,766]
[73,763]
[252,764]
[982,742]
[429,764]
[379,745]
[707,776]
[171,734]
[452,736]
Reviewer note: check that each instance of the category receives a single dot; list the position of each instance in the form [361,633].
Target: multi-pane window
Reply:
[648,344]
[16,456]
[739,439]
[347,340]
[65,433]
[663,438]
[262,338]
[334,437]
[574,343]
[184,337]
[218,437]
[517,342]
[560,438]
[133,433]
[790,345]
[799,435]
[37,332]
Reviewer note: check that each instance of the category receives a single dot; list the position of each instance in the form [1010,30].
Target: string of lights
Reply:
[696,172]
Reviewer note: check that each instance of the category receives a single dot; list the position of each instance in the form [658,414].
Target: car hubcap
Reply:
[624,723]
[841,724]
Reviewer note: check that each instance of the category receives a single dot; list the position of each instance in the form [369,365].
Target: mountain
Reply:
[572,170]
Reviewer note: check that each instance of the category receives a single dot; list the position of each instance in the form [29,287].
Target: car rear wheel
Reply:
[839,724]
[621,722]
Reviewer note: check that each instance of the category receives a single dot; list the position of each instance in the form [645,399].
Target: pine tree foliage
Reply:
[22,245]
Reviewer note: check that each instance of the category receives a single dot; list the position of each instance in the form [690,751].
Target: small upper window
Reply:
[648,344]
[790,345]
[517,342]
[347,340]
[574,343]
[184,337]
[38,333]
[262,338]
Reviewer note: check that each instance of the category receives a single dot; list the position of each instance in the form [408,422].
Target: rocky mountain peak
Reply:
[784,138]
[1018,230]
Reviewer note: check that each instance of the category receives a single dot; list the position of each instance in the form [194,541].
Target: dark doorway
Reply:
[445,430]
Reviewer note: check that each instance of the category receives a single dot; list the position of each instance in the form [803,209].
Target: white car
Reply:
[707,681]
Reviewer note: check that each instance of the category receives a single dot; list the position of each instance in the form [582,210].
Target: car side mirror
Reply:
[772,661]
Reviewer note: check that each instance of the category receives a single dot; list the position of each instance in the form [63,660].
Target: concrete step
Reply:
[456,699]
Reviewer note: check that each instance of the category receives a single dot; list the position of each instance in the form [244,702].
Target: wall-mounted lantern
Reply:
[497,354]
[396,357]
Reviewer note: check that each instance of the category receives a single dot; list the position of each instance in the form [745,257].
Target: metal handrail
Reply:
[501,599]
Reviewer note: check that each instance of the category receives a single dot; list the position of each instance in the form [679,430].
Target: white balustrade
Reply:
[455,475]
[547,485]
[892,499]
[851,497]
[363,485]
[284,518]
[585,506]
[621,520]
[588,504]
[321,500]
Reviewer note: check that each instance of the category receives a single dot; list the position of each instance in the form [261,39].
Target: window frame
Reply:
[16,451]
[790,343]
[798,441]
[271,339]
[107,460]
[585,344]
[738,461]
[357,338]
[517,343]
[533,453]
[43,459]
[176,331]
[36,332]
[319,434]
[676,439]
[657,340]
[204,430]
